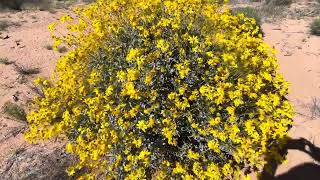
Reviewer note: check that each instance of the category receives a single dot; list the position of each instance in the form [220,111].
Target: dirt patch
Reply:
[36,163]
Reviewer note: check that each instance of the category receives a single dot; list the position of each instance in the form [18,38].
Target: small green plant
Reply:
[315,107]
[23,70]
[15,111]
[315,27]
[5,61]
[37,90]
[62,49]
[48,47]
[4,25]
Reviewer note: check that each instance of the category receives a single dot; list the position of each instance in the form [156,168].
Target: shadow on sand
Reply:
[305,171]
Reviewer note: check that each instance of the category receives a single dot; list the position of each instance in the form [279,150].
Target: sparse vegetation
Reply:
[249,12]
[48,47]
[12,4]
[4,25]
[37,90]
[42,5]
[62,49]
[315,27]
[274,9]
[6,61]
[15,111]
[22,79]
[271,11]
[252,13]
[315,107]
[24,70]
[279,2]
[25,4]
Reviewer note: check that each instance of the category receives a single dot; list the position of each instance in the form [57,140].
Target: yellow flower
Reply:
[65,18]
[69,148]
[142,125]
[144,155]
[163,45]
[148,79]
[193,40]
[52,27]
[151,122]
[56,42]
[183,69]
[95,155]
[226,169]
[109,91]
[133,54]
[179,169]
[121,75]
[130,91]
[71,171]
[213,145]
[172,95]
[137,142]
[214,121]
[132,74]
[193,155]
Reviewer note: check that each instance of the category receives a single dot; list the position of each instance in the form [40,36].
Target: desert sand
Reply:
[299,62]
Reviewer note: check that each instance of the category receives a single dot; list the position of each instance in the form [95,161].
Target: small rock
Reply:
[15,98]
[288,54]
[6,37]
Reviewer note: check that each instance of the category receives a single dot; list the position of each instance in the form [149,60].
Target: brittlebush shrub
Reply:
[164,89]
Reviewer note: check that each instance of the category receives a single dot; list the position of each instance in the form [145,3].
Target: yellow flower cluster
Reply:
[165,89]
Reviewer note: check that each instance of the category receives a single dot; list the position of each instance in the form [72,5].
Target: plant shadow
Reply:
[304,171]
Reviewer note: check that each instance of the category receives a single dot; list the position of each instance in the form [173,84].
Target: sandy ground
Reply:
[26,46]
[299,60]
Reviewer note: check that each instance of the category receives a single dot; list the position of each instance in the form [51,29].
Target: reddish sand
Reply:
[299,60]
[26,46]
